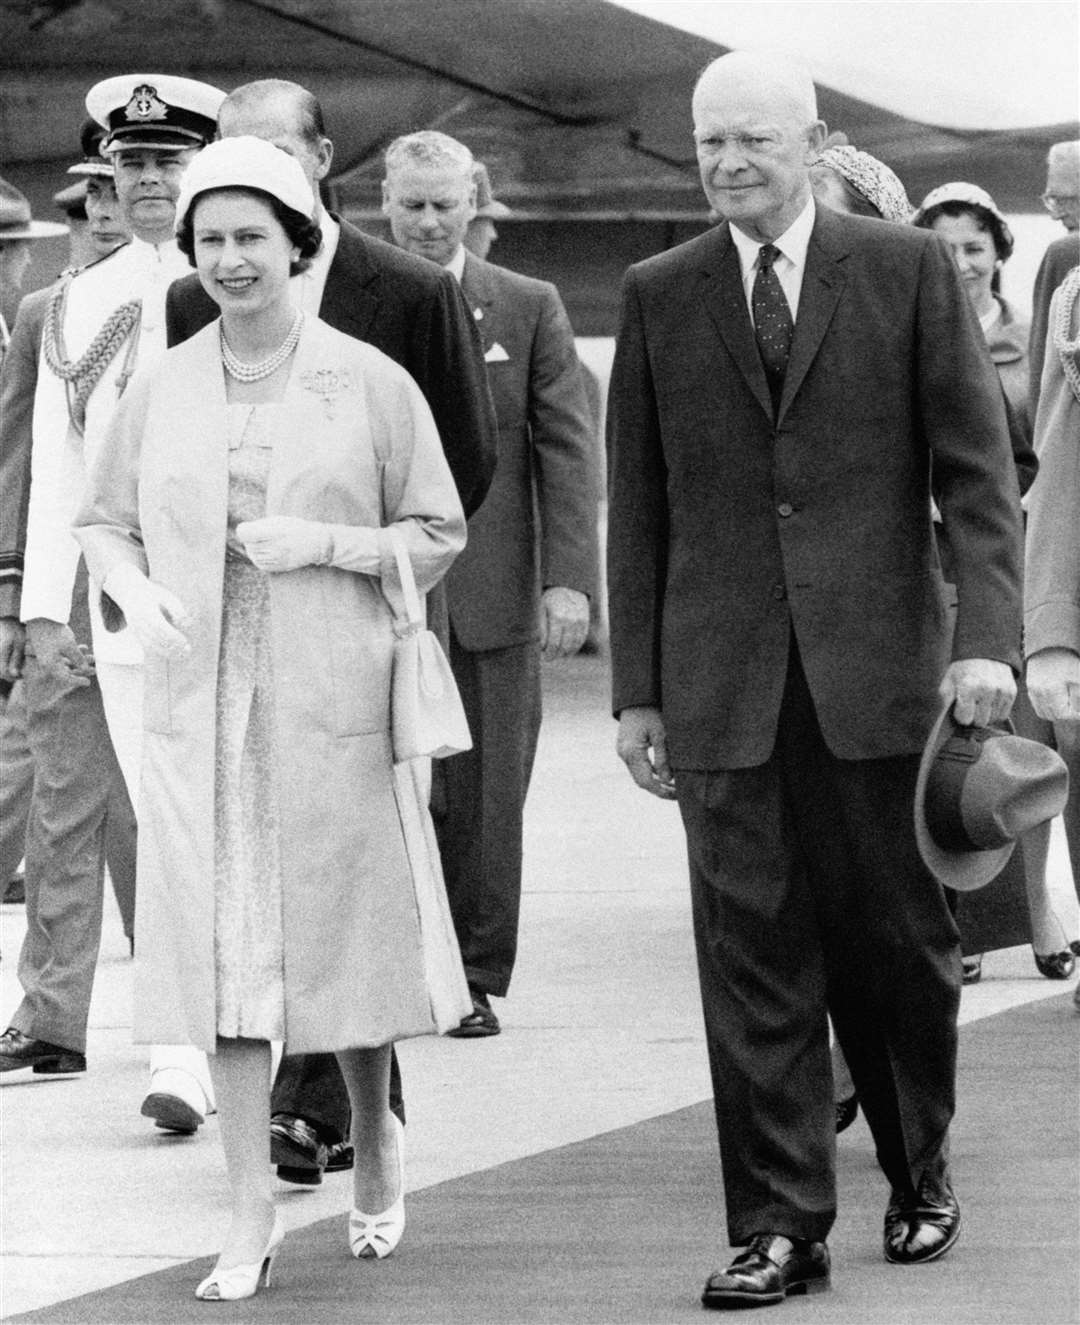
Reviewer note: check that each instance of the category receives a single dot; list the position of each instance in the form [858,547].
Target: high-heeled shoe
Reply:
[378,1235]
[243,1280]
[1056,965]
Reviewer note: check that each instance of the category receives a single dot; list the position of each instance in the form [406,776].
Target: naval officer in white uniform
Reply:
[102,323]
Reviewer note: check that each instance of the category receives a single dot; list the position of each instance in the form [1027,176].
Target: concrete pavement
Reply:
[602,1030]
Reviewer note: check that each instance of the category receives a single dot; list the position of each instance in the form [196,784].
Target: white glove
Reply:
[285,542]
[156,617]
[1053,682]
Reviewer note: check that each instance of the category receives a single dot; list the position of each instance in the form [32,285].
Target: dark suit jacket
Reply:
[18,383]
[728,530]
[547,468]
[411,310]
[1058,260]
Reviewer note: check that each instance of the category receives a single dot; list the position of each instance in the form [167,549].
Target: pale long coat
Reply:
[370,954]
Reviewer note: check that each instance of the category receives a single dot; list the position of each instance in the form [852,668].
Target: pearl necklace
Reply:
[1067,297]
[255,372]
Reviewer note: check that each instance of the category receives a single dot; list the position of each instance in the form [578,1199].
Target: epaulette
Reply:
[69,272]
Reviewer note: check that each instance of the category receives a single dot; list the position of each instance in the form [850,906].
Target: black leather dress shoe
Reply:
[770,1269]
[301,1152]
[921,1226]
[297,1149]
[1057,965]
[47,1060]
[339,1157]
[481,1021]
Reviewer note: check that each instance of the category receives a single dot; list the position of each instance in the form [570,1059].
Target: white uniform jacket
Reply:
[60,456]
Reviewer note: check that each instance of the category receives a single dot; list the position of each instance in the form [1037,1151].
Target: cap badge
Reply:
[145,104]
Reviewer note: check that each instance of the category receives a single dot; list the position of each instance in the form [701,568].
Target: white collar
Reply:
[988,319]
[456,265]
[165,251]
[793,243]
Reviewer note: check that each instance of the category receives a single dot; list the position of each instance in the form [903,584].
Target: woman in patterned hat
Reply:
[858,184]
[855,182]
[289,886]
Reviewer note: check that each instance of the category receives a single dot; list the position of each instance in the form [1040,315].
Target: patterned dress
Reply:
[248,943]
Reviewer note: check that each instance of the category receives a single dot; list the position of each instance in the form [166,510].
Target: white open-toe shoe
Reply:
[378,1235]
[240,1281]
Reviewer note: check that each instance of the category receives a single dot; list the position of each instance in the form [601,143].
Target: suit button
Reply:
[779,591]
[785,508]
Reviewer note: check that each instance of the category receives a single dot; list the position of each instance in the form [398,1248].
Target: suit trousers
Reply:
[16,795]
[16,781]
[75,775]
[478,805]
[809,896]
[311,1086]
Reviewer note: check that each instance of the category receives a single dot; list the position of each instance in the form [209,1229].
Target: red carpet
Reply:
[625,1227]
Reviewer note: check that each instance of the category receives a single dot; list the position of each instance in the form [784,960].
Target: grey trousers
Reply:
[16,781]
[478,803]
[75,775]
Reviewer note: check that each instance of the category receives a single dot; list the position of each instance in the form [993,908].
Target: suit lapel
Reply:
[725,301]
[353,288]
[823,284]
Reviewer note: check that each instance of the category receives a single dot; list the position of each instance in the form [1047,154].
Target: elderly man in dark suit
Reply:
[414,313]
[530,564]
[789,390]
[1061,199]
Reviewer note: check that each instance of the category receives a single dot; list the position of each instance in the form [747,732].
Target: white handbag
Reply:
[426,714]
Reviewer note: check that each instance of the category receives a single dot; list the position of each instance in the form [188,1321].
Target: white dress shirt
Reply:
[308,288]
[456,265]
[789,266]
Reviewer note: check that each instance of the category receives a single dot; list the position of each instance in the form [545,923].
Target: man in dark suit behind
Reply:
[521,587]
[414,313]
[1062,200]
[779,636]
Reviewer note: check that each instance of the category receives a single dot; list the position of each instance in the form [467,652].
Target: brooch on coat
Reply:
[327,384]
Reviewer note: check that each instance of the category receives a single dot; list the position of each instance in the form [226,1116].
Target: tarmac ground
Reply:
[588,1119]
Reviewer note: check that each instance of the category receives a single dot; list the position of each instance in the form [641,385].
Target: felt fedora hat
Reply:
[16,221]
[486,202]
[978,791]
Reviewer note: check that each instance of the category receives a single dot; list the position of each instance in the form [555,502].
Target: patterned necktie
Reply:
[773,323]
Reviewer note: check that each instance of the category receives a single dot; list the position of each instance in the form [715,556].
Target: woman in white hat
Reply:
[980,240]
[289,886]
[978,235]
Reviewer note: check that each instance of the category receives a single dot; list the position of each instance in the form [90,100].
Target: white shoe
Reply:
[378,1235]
[176,1101]
[243,1280]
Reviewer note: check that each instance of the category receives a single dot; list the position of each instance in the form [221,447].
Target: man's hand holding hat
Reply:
[981,691]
